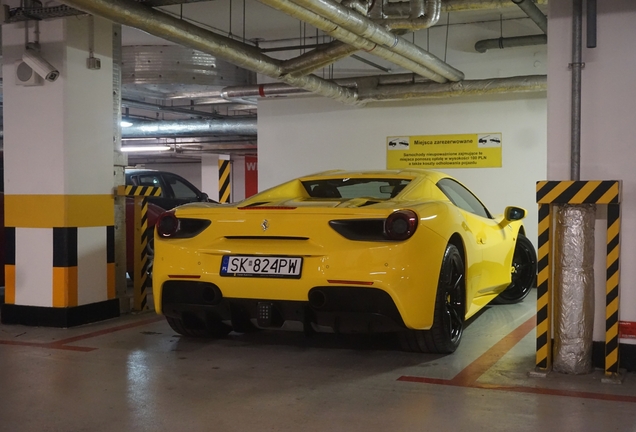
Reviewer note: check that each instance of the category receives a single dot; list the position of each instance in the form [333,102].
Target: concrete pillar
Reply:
[58,159]
[210,176]
[225,179]
[238,178]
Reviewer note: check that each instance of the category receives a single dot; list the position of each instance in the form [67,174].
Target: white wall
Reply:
[298,137]
[304,135]
[607,147]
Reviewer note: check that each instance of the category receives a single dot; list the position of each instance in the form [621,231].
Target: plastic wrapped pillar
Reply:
[574,289]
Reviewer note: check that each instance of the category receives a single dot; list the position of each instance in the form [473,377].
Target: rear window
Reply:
[349,188]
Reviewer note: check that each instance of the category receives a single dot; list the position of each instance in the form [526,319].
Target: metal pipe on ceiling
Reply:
[366,28]
[183,128]
[160,24]
[130,103]
[379,88]
[426,12]
[522,84]
[576,66]
[402,8]
[591,15]
[423,14]
[500,43]
[405,86]
[318,58]
[411,63]
[534,13]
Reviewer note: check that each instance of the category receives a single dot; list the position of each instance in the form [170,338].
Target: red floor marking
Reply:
[488,359]
[559,392]
[62,344]
[44,345]
[469,376]
[107,331]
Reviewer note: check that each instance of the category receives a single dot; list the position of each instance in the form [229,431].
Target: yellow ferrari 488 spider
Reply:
[412,252]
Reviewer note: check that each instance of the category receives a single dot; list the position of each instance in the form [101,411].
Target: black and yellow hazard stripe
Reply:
[544,295]
[110,262]
[225,186]
[578,192]
[148,191]
[140,277]
[65,289]
[9,265]
[140,266]
[611,296]
[141,261]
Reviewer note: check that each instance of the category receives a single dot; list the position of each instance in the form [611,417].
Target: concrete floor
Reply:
[134,373]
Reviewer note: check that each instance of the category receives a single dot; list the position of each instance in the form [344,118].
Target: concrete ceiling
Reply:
[284,37]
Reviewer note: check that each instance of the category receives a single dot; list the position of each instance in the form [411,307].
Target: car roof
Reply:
[141,170]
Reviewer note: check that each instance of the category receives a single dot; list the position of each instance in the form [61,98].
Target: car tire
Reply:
[450,310]
[150,255]
[201,330]
[524,273]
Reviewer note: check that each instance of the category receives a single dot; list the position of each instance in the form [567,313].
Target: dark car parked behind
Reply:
[175,190]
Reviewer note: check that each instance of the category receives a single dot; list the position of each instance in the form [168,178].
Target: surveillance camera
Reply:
[43,68]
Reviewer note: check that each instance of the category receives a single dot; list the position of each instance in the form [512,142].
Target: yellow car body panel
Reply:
[286,222]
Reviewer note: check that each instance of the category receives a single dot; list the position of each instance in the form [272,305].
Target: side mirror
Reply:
[204,197]
[513,214]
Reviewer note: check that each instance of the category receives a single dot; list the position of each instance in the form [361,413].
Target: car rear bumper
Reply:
[340,308]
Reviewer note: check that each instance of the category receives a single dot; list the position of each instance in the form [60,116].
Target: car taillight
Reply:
[170,226]
[400,225]
[167,225]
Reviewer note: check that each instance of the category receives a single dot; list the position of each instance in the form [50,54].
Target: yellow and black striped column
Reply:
[110,262]
[9,265]
[225,184]
[65,292]
[578,192]
[140,195]
[544,291]
[70,290]
[611,296]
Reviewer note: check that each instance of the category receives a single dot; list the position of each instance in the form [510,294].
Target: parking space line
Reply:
[469,376]
[63,343]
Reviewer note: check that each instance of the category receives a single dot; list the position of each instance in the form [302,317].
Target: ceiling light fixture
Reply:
[125,123]
[139,149]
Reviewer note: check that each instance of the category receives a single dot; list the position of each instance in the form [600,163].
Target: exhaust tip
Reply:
[317,299]
[211,295]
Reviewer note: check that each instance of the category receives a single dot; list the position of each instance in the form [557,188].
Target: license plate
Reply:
[261,266]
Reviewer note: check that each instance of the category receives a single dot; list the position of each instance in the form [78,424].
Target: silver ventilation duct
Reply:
[184,33]
[169,71]
[421,63]
[184,128]
[534,13]
[403,86]
[364,27]
[512,42]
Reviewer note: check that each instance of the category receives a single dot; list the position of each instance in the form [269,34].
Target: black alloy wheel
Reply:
[523,273]
[450,310]
[150,255]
